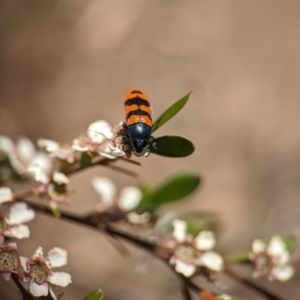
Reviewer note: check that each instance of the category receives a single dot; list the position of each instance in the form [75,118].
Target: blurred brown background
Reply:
[67,63]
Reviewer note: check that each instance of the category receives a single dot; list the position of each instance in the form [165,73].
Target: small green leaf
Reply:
[290,242]
[170,112]
[172,146]
[238,257]
[172,190]
[86,159]
[94,295]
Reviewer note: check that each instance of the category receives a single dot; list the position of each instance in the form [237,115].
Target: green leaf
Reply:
[171,190]
[170,112]
[86,159]
[94,295]
[290,242]
[238,257]
[172,146]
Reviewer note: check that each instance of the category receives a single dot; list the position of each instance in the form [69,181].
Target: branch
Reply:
[156,250]
[249,283]
[77,168]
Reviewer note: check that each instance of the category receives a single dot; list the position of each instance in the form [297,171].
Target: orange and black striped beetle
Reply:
[138,121]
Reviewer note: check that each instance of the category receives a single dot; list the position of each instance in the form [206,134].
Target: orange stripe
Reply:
[146,120]
[132,120]
[146,109]
[135,119]
[130,108]
[129,94]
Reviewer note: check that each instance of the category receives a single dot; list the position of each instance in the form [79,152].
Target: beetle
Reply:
[138,121]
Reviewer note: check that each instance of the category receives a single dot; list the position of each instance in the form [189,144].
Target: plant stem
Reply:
[249,283]
[156,250]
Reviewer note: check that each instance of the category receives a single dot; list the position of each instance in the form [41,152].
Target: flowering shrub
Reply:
[187,243]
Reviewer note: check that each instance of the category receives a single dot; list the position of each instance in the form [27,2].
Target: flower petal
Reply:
[179,232]
[82,144]
[18,231]
[38,174]
[105,151]
[40,167]
[57,257]
[205,240]
[276,246]
[60,178]
[48,145]
[6,144]
[212,261]
[130,198]
[5,194]
[24,263]
[25,149]
[38,290]
[224,297]
[115,150]
[106,188]
[42,160]
[38,253]
[183,268]
[136,218]
[52,294]
[258,246]
[283,273]
[20,213]
[60,278]
[6,275]
[100,131]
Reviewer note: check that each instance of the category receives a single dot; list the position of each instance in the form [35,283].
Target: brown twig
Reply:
[156,250]
[249,283]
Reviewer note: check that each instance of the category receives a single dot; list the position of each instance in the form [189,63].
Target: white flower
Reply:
[179,232]
[100,131]
[22,155]
[212,261]
[129,198]
[58,189]
[185,269]
[271,259]
[9,260]
[19,213]
[25,148]
[48,145]
[39,273]
[99,139]
[63,152]
[6,194]
[192,252]
[205,240]
[224,297]
[12,224]
[105,188]
[6,145]
[40,167]
[116,151]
